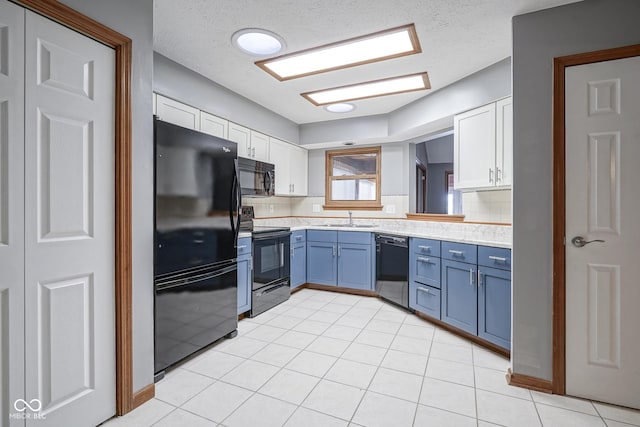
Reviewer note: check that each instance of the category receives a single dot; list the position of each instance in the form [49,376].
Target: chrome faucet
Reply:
[350,219]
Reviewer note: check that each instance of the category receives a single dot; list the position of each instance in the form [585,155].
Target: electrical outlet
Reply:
[391,209]
[270,208]
[316,207]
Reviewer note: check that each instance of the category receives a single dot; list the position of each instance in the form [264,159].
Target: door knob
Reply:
[579,241]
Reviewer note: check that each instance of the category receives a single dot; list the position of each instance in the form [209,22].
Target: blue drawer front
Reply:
[322,236]
[360,237]
[244,246]
[298,236]
[460,252]
[424,269]
[424,246]
[424,299]
[494,257]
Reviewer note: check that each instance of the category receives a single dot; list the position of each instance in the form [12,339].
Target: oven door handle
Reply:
[281,254]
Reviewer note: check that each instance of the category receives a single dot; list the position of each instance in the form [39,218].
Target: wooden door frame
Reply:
[70,18]
[420,166]
[560,64]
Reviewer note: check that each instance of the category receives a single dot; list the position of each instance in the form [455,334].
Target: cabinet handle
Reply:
[480,278]
[425,290]
[456,253]
[338,250]
[498,175]
[426,248]
[253,152]
[498,258]
[471,276]
[298,238]
[334,250]
[425,260]
[242,246]
[490,175]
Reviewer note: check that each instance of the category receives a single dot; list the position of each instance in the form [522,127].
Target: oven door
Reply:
[271,262]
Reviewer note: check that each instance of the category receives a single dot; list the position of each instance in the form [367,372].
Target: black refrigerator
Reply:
[197,201]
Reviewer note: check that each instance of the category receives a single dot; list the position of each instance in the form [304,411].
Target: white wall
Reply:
[182,84]
[538,38]
[134,19]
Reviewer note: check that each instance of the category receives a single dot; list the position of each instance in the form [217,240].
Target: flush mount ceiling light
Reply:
[370,89]
[258,42]
[374,47]
[340,107]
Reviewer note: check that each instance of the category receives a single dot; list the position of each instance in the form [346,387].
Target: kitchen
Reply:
[531,199]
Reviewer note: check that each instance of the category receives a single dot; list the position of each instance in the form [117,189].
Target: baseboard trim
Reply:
[473,338]
[339,289]
[526,381]
[144,395]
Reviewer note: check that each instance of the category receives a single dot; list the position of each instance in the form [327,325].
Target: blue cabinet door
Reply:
[459,295]
[354,266]
[244,283]
[322,263]
[494,306]
[298,264]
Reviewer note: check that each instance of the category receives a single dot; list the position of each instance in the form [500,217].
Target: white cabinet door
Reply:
[504,142]
[474,148]
[299,171]
[177,113]
[259,146]
[214,125]
[70,342]
[280,155]
[241,136]
[11,213]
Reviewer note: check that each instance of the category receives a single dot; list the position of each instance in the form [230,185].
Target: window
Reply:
[353,179]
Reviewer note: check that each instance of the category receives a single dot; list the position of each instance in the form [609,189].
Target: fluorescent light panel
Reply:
[374,47]
[408,83]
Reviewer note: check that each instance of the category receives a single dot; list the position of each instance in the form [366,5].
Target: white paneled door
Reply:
[11,211]
[57,218]
[602,205]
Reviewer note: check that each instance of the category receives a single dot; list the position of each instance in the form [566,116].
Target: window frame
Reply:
[330,204]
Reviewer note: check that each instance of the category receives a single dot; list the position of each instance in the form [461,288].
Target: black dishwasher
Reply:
[392,268]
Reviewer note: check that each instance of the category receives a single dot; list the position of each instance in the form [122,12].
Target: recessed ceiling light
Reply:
[340,107]
[256,41]
[374,47]
[409,83]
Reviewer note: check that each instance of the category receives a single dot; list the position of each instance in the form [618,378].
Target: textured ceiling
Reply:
[458,38]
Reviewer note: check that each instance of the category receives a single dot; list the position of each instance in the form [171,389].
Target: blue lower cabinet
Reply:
[322,263]
[494,306]
[354,266]
[425,299]
[245,276]
[298,264]
[459,297]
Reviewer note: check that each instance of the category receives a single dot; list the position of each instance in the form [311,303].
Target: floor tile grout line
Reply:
[424,375]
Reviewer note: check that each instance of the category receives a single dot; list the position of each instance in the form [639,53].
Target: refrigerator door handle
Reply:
[236,192]
[184,281]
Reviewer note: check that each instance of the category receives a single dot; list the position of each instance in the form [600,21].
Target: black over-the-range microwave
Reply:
[257,179]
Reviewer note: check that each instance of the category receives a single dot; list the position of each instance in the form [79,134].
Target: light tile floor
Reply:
[326,359]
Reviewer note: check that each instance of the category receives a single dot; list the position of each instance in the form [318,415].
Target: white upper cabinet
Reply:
[214,125]
[251,144]
[483,140]
[177,113]
[504,142]
[291,164]
[259,146]
[241,136]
